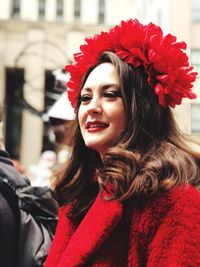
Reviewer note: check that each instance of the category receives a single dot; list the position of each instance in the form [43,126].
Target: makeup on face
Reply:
[101,114]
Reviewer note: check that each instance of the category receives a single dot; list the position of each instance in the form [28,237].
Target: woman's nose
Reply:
[94,106]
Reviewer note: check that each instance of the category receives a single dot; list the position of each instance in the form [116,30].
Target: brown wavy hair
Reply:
[149,155]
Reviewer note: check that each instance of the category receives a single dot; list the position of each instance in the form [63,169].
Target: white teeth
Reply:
[97,125]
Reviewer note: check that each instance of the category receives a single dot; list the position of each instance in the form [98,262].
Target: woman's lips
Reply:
[96,126]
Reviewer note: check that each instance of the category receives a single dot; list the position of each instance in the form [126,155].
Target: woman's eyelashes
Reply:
[106,94]
[112,94]
[85,98]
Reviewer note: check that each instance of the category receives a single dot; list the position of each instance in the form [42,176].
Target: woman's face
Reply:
[101,114]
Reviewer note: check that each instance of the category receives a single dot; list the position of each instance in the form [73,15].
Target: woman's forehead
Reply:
[103,74]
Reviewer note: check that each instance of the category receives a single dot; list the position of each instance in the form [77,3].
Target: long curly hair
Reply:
[150,154]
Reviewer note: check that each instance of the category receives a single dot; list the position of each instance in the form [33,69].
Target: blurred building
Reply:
[180,18]
[38,37]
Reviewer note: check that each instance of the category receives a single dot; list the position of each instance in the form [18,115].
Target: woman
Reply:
[129,196]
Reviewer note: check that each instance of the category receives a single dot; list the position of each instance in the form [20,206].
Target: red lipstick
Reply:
[95,126]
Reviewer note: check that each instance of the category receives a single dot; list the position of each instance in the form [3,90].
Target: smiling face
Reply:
[101,114]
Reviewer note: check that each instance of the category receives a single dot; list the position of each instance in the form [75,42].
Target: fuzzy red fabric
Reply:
[164,231]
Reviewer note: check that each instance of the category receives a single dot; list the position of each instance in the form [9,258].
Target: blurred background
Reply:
[38,38]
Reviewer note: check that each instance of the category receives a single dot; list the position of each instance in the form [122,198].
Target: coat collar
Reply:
[95,228]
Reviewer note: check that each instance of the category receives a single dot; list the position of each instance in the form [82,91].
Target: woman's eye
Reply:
[112,94]
[85,98]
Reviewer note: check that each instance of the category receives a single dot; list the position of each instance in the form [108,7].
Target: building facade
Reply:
[38,37]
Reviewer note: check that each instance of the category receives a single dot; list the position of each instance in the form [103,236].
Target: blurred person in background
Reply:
[18,166]
[8,230]
[41,173]
[130,193]
[61,117]
[15,162]
[28,215]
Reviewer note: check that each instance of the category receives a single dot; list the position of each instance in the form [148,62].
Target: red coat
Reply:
[163,232]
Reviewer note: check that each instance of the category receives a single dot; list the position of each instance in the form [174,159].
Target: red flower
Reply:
[165,63]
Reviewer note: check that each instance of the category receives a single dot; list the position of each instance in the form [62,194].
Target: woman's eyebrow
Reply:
[87,89]
[103,86]
[108,85]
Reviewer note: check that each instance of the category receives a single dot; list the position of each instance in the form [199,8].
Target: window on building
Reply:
[101,11]
[15,11]
[77,9]
[195,60]
[13,110]
[41,10]
[59,11]
[195,10]
[195,118]
[48,102]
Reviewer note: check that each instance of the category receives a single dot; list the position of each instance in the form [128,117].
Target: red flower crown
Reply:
[166,65]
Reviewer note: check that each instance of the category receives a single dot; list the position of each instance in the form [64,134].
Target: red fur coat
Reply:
[163,232]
